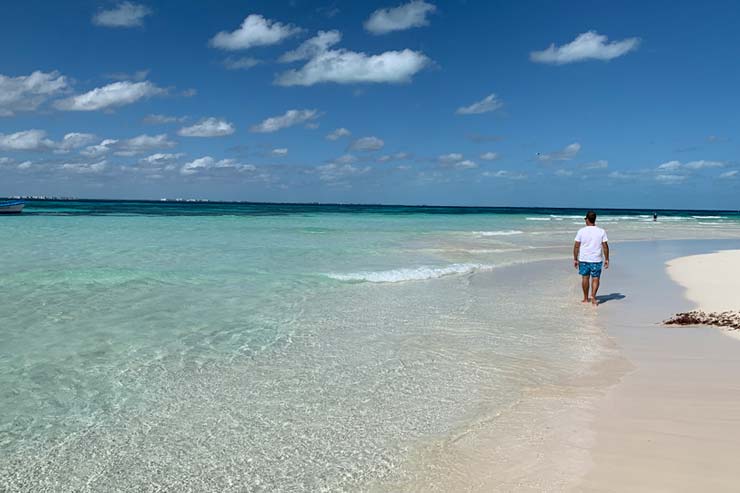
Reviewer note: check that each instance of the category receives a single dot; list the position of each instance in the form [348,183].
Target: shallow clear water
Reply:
[254,347]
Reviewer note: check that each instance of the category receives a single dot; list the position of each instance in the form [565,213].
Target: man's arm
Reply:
[605,247]
[576,249]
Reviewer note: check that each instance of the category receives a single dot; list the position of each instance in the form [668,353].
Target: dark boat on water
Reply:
[11,207]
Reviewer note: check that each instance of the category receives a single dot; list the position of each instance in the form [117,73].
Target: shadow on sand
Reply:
[603,298]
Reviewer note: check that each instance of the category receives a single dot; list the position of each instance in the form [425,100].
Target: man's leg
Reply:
[584,285]
[594,289]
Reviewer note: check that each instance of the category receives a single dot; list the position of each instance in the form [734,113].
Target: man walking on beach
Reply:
[590,252]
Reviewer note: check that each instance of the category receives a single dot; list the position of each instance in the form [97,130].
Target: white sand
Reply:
[672,424]
[712,281]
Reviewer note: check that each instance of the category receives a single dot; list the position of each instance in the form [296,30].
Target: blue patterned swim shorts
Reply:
[592,269]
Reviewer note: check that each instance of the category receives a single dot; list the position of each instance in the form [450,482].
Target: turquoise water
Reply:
[222,347]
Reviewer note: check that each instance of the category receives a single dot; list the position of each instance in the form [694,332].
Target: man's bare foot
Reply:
[595,302]
[585,300]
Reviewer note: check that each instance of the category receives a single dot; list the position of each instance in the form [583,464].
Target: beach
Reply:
[672,422]
[710,280]
[295,348]
[328,246]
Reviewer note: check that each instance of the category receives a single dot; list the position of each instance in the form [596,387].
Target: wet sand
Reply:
[673,423]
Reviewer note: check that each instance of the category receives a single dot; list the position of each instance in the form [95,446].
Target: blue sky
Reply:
[588,104]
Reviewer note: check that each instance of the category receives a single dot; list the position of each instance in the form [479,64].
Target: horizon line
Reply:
[361,204]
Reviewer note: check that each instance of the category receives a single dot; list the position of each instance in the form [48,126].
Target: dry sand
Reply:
[712,281]
[672,424]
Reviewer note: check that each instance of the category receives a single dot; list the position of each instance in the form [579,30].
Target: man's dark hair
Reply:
[591,216]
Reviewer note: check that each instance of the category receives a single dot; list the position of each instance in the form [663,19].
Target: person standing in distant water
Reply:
[590,253]
[655,216]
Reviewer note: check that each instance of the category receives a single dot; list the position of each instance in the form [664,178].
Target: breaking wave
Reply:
[507,232]
[410,274]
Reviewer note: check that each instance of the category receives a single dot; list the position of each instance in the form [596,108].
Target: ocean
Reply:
[149,346]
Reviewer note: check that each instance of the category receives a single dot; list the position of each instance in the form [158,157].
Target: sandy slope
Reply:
[712,281]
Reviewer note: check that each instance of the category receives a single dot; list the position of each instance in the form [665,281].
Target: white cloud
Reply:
[465,164]
[338,134]
[489,156]
[333,171]
[700,164]
[619,175]
[452,157]
[74,140]
[208,127]
[28,92]
[197,164]
[600,164]
[85,168]
[345,159]
[27,140]
[456,160]
[393,157]
[126,14]
[313,47]
[349,67]
[670,165]
[143,143]
[279,152]
[154,119]
[130,147]
[207,163]
[510,175]
[289,119]
[7,162]
[112,95]
[587,46]
[243,63]
[367,144]
[104,147]
[255,30]
[36,140]
[566,154]
[703,164]
[160,158]
[406,16]
[670,179]
[485,105]
[729,174]
[564,172]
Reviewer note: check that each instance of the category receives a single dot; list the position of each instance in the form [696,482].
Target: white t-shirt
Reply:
[591,238]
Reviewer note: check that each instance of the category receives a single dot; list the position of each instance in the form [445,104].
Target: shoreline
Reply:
[623,423]
[671,424]
[540,442]
[709,292]
[705,280]
[548,439]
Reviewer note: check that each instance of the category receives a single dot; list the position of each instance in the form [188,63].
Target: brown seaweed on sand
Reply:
[729,319]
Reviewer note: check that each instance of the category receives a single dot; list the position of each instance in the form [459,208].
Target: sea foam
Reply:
[421,273]
[507,232]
